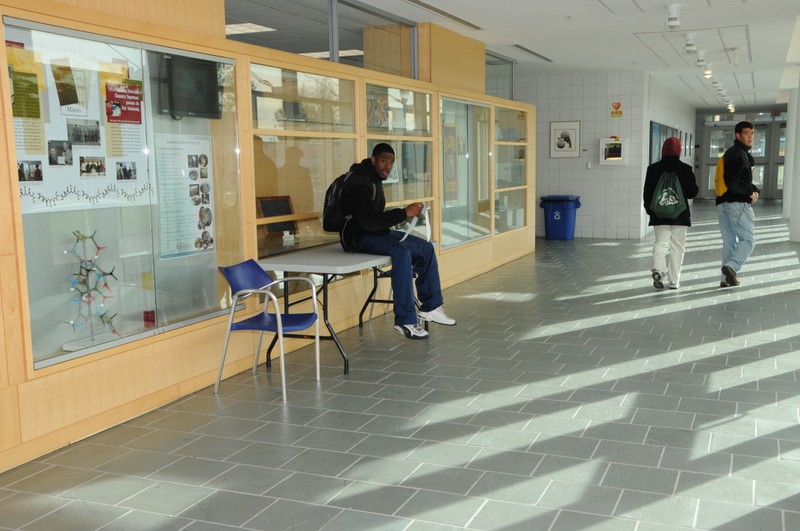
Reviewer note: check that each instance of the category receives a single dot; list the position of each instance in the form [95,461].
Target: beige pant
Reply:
[670,240]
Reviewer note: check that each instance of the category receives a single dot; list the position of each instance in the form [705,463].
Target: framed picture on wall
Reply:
[565,139]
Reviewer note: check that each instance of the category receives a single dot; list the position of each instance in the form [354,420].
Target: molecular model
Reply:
[90,286]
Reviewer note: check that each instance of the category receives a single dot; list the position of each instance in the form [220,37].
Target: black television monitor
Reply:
[189,87]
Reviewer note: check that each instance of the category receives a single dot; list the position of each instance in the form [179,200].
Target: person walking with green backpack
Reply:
[668,186]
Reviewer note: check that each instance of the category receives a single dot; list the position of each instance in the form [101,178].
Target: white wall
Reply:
[611,196]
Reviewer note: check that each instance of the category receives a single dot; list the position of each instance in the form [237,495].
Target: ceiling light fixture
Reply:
[707,73]
[701,58]
[247,27]
[673,14]
[690,47]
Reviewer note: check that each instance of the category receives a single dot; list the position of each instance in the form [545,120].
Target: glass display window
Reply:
[465,156]
[126,157]
[288,100]
[395,111]
[291,177]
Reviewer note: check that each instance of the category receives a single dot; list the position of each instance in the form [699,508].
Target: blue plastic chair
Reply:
[248,278]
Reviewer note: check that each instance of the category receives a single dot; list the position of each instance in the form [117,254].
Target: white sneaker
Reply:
[437,316]
[412,331]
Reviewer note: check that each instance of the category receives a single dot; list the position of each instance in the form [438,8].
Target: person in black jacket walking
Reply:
[670,234]
[737,222]
[369,231]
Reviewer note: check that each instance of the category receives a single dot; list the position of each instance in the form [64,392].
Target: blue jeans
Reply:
[737,223]
[414,255]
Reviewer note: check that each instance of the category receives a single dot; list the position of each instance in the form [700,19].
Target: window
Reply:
[465,137]
[402,118]
[125,190]
[364,36]
[290,164]
[500,76]
[510,163]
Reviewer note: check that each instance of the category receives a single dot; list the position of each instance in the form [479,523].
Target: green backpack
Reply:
[668,201]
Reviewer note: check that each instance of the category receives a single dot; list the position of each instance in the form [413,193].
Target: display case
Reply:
[510,165]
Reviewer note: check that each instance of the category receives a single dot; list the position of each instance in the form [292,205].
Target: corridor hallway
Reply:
[571,396]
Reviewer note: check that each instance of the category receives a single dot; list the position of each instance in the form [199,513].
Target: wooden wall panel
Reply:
[388,49]
[451,60]
[198,16]
[65,398]
[9,420]
[12,365]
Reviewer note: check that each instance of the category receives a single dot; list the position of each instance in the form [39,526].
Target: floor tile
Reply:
[77,515]
[583,498]
[287,514]
[228,508]
[166,498]
[507,516]
[736,517]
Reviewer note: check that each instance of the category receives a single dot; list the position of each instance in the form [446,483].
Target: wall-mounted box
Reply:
[613,151]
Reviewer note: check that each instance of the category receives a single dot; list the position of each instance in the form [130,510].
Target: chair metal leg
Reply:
[283,366]
[222,361]
[258,353]
[316,345]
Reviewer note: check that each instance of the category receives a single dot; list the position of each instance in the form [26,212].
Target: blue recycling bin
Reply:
[559,216]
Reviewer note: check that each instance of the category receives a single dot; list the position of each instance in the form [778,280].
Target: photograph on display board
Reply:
[30,171]
[83,132]
[26,102]
[71,88]
[59,153]
[93,166]
[126,171]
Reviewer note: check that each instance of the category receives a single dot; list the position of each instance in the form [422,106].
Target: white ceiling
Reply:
[753,46]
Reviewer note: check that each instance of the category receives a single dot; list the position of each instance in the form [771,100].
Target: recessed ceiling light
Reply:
[247,27]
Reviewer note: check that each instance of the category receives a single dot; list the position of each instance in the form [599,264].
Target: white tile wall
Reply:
[611,196]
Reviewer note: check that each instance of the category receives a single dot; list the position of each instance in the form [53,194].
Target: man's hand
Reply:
[754,197]
[413,209]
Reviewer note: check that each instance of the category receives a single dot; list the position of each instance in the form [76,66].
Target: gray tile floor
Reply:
[571,396]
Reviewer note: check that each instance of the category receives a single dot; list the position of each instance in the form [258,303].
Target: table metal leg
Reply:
[332,334]
[345,358]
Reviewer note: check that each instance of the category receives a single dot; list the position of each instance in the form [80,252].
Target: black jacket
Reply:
[363,198]
[738,175]
[688,185]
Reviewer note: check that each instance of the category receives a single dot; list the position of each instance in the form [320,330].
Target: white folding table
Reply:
[326,261]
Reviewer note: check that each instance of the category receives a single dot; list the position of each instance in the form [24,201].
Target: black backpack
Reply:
[333,219]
